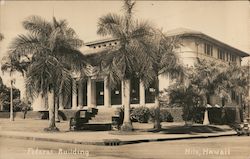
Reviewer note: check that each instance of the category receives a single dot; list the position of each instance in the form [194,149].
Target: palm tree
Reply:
[162,59]
[186,96]
[236,80]
[207,76]
[53,50]
[119,62]
[218,79]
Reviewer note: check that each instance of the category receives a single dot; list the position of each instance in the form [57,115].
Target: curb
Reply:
[175,138]
[116,142]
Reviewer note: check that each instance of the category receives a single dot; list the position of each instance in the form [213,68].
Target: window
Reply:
[208,49]
[226,56]
[135,91]
[221,54]
[150,93]
[233,58]
[233,95]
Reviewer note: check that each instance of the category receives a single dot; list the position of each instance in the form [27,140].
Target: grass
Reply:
[31,125]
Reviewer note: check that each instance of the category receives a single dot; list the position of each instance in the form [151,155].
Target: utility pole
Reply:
[11,100]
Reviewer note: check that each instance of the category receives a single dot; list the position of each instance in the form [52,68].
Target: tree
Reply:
[208,78]
[5,97]
[186,96]
[236,80]
[52,47]
[161,59]
[120,63]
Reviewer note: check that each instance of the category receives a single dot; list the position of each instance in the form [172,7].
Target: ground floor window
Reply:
[135,91]
[99,93]
[116,95]
[150,93]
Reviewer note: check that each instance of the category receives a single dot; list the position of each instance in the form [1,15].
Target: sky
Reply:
[227,21]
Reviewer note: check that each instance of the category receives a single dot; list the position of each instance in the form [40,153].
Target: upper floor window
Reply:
[208,49]
[233,58]
[221,54]
[227,56]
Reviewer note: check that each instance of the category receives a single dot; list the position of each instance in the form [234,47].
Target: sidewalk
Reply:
[104,137]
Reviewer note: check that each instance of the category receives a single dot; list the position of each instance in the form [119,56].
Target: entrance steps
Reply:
[101,121]
[95,119]
[104,115]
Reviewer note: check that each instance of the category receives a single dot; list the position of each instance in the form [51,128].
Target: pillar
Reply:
[80,95]
[43,105]
[107,93]
[91,101]
[61,107]
[142,94]
[74,95]
[122,93]
[56,102]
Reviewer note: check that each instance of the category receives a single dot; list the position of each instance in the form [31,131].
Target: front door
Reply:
[99,93]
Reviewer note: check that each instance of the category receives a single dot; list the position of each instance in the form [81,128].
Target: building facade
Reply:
[96,92]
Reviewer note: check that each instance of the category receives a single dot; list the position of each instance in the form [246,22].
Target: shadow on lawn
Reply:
[189,129]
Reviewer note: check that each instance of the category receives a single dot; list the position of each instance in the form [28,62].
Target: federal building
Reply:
[95,92]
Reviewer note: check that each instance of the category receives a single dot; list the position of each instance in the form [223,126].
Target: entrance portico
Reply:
[95,92]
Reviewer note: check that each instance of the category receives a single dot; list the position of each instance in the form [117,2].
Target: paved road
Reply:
[212,148]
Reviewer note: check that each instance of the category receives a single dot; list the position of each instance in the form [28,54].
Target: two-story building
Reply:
[95,91]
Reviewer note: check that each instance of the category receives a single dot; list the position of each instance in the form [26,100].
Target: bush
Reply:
[198,114]
[140,114]
[21,105]
[230,115]
[165,115]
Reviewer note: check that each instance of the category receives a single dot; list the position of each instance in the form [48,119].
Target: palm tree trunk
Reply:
[52,123]
[157,122]
[127,125]
[51,103]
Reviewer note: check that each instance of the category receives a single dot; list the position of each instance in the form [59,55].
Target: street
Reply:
[212,148]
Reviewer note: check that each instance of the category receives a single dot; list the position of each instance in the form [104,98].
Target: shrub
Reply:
[230,114]
[140,114]
[21,105]
[165,115]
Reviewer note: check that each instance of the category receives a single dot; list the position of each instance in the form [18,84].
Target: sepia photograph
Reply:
[124,79]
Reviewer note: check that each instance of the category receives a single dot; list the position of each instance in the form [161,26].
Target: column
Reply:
[107,93]
[43,105]
[80,94]
[91,101]
[74,95]
[122,92]
[61,107]
[142,94]
[56,109]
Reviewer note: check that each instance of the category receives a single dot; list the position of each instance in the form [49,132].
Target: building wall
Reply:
[191,48]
